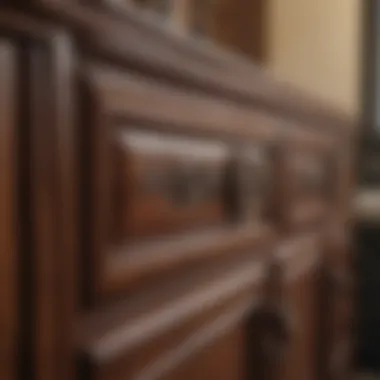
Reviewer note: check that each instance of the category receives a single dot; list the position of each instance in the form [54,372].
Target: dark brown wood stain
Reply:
[167,211]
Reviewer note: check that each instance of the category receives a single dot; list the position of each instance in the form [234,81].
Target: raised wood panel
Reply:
[126,123]
[165,339]
[165,184]
[40,65]
[9,228]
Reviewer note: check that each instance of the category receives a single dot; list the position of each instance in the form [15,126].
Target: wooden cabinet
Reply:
[164,207]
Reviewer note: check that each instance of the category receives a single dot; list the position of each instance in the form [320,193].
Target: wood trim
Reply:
[44,231]
[109,340]
[66,143]
[133,265]
[140,45]
[184,339]
[9,257]
[199,340]
[52,203]
[141,98]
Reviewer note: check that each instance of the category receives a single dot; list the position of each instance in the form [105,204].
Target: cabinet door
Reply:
[8,214]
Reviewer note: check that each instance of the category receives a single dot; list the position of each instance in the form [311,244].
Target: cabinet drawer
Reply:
[164,184]
[167,182]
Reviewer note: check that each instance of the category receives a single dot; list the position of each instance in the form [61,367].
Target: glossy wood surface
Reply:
[174,201]
[9,253]
[165,184]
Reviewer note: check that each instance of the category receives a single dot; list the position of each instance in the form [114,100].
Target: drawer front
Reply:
[171,184]
[164,184]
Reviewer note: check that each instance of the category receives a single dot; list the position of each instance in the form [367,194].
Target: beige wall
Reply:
[315,44]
